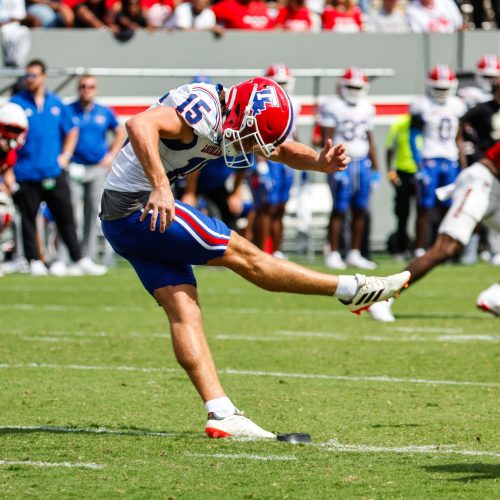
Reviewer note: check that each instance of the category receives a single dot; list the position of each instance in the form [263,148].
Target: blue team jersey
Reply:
[213,175]
[93,125]
[37,159]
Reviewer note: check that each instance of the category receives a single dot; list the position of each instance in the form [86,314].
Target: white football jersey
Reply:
[351,123]
[440,126]
[200,107]
[472,96]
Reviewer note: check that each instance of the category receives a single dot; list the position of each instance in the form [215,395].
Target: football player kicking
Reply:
[162,237]
[475,198]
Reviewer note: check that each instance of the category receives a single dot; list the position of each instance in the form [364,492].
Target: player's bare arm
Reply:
[144,132]
[301,157]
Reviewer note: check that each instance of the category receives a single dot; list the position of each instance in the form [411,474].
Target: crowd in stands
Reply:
[123,17]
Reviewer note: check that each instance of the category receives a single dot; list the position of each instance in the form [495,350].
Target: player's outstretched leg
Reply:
[193,354]
[444,248]
[357,292]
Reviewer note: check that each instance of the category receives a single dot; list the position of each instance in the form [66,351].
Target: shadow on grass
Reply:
[132,431]
[475,472]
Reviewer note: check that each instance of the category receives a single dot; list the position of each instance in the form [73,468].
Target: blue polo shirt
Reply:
[93,124]
[37,159]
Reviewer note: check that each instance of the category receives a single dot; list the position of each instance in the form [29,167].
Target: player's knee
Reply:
[445,247]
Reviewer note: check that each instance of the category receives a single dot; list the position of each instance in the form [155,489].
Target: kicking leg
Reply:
[278,275]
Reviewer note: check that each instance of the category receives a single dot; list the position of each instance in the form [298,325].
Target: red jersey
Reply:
[9,161]
[290,20]
[342,22]
[493,154]
[234,14]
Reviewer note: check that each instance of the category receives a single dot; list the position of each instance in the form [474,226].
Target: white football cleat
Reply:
[38,268]
[236,425]
[280,255]
[373,289]
[58,268]
[489,300]
[87,266]
[381,311]
[333,260]
[355,259]
[18,265]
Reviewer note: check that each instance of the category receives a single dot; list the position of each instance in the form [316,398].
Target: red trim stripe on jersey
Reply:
[206,234]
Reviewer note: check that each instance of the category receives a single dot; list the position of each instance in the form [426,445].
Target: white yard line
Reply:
[243,456]
[215,309]
[425,329]
[87,430]
[280,334]
[256,373]
[334,445]
[31,463]
[41,338]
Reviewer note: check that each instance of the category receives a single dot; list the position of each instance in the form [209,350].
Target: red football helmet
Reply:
[487,70]
[282,75]
[258,118]
[353,85]
[6,211]
[13,126]
[441,83]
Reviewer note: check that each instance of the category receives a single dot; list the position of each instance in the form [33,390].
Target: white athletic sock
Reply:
[347,287]
[222,407]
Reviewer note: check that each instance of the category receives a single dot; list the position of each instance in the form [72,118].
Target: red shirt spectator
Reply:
[344,16]
[294,16]
[243,14]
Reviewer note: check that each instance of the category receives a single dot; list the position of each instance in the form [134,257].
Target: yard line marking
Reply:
[280,334]
[246,456]
[380,378]
[52,464]
[256,373]
[70,334]
[51,339]
[334,445]
[425,329]
[87,430]
[226,310]
[89,367]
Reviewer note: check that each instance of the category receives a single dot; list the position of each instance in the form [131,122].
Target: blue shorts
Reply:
[162,259]
[271,187]
[351,187]
[434,173]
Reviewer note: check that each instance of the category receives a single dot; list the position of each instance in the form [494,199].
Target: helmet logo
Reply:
[264,98]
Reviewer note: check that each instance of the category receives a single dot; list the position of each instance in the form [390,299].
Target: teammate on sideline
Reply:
[436,115]
[348,117]
[162,237]
[475,198]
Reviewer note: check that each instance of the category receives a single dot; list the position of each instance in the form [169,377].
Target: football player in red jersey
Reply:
[162,238]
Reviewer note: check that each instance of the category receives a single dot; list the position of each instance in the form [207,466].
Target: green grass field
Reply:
[93,405]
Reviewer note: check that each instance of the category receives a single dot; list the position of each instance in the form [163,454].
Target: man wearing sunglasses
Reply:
[41,170]
[92,157]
